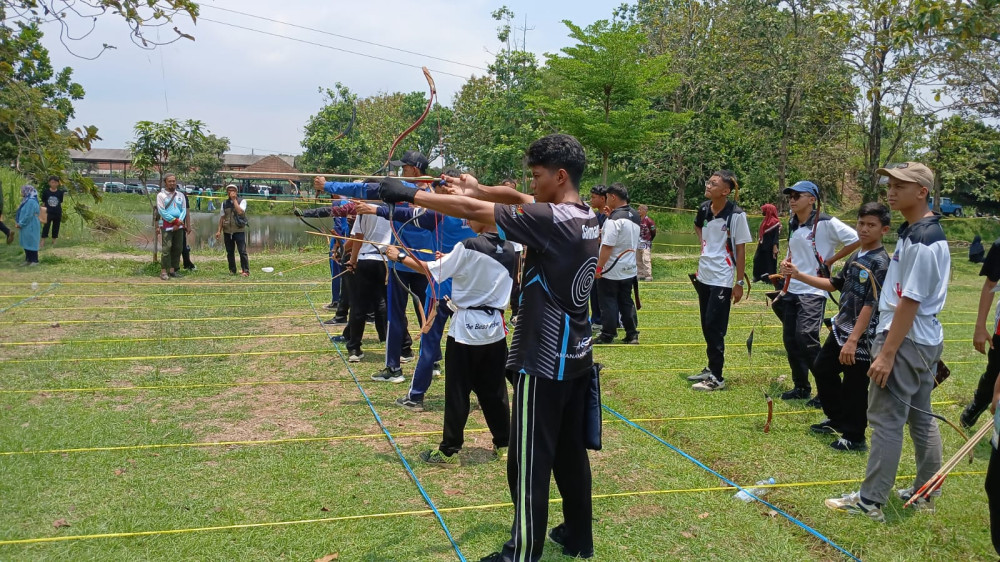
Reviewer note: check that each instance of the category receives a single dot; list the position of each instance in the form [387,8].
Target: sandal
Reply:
[164,276]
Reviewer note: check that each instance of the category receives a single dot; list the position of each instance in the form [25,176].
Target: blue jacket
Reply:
[446,232]
[31,227]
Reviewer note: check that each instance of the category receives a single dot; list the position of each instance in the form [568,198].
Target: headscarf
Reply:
[770,219]
[27,193]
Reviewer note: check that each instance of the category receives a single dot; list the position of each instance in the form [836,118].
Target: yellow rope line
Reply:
[156,357]
[164,294]
[144,307]
[179,338]
[357,436]
[480,507]
[166,386]
[172,284]
[146,320]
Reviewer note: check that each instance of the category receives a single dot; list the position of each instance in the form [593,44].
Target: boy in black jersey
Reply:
[847,349]
[550,360]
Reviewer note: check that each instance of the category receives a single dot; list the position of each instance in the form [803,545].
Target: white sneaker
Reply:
[356,357]
[851,503]
[709,384]
[702,376]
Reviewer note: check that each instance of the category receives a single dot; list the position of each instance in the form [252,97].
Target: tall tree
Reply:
[601,89]
[965,154]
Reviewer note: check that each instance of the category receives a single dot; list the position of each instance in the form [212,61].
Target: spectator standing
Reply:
[765,259]
[29,224]
[616,267]
[172,210]
[232,226]
[643,254]
[53,200]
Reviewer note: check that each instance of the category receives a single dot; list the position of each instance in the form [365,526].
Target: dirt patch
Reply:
[268,412]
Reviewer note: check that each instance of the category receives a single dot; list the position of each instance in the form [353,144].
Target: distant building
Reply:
[115,161]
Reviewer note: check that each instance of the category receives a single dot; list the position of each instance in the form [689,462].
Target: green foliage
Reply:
[171,143]
[966,158]
[601,89]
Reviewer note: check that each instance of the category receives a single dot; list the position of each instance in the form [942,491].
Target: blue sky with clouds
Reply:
[259,89]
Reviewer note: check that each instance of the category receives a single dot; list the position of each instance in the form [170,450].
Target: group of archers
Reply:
[474,249]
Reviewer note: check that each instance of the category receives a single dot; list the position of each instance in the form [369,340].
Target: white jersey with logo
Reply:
[482,270]
[830,233]
[919,270]
[621,232]
[720,235]
[376,229]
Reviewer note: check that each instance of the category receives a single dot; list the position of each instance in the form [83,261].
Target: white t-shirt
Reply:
[919,270]
[621,232]
[831,232]
[717,266]
[376,229]
[482,272]
[222,208]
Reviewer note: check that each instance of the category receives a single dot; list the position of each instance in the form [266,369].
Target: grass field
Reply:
[219,402]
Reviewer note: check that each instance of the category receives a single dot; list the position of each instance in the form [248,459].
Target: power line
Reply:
[324,32]
[313,43]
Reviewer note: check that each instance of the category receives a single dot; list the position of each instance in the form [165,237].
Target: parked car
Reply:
[949,208]
[114,187]
[134,188]
[152,188]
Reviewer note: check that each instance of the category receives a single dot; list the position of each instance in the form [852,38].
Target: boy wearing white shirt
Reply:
[723,231]
[476,352]
[813,238]
[616,267]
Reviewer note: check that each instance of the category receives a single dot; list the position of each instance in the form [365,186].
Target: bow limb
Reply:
[350,124]
[413,127]
[617,259]
[928,412]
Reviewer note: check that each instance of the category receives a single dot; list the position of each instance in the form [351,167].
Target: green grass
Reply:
[191,487]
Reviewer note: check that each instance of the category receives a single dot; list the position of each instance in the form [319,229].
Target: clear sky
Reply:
[259,90]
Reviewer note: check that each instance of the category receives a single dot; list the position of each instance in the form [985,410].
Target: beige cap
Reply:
[911,172]
[233,187]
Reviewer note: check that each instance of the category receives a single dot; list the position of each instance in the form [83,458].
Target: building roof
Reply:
[273,165]
[123,155]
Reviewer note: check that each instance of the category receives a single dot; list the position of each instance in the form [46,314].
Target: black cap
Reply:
[412,158]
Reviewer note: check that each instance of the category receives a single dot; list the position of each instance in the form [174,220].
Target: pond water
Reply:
[286,231]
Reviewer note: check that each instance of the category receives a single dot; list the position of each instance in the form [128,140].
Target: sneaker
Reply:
[410,404]
[603,339]
[332,305]
[33,264]
[495,557]
[853,504]
[406,358]
[335,321]
[338,339]
[634,340]
[815,403]
[824,427]
[175,274]
[970,414]
[596,327]
[558,536]
[440,459]
[922,504]
[704,375]
[436,370]
[389,375]
[848,445]
[795,394]
[499,453]
[356,356]
[709,384]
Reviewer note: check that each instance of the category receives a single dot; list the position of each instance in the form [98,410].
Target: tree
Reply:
[494,117]
[206,160]
[965,154]
[601,89]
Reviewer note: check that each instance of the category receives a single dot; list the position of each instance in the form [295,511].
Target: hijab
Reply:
[27,193]
[770,219]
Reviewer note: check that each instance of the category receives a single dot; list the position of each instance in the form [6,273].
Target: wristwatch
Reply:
[400,257]
[740,282]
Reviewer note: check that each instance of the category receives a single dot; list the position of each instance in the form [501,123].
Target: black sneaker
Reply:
[336,321]
[406,358]
[332,305]
[410,404]
[970,414]
[634,340]
[796,394]
[175,274]
[603,339]
[558,536]
[495,557]
[389,375]
[824,427]
[815,403]
[848,445]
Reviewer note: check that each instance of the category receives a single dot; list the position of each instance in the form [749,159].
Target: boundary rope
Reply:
[30,298]
[701,465]
[479,507]
[388,435]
